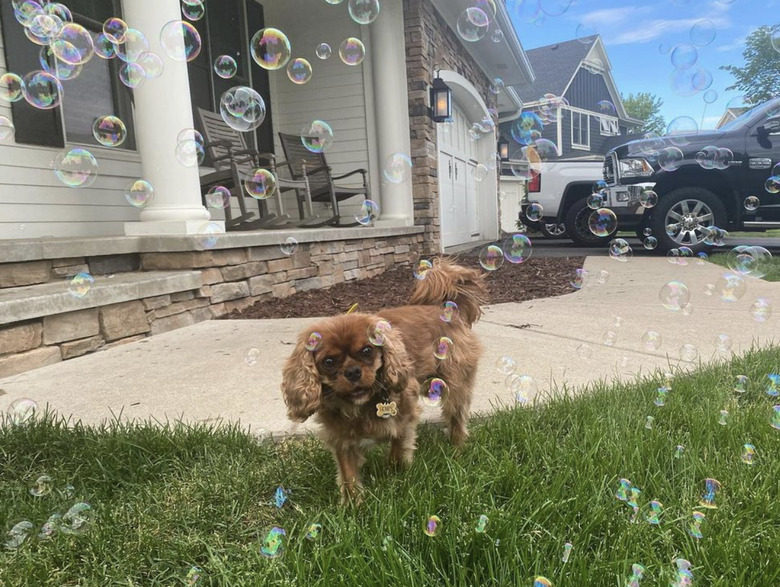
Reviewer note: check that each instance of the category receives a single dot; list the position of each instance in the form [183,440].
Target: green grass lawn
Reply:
[166,499]
[771,266]
[767,234]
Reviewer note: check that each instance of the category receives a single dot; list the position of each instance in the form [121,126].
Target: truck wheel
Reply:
[576,223]
[682,217]
[553,230]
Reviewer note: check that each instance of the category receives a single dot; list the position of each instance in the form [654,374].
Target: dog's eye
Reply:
[329,362]
[367,351]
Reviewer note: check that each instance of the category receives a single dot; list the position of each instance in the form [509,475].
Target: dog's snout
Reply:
[353,373]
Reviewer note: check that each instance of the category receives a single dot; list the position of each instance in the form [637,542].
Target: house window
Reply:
[225,30]
[609,127]
[580,130]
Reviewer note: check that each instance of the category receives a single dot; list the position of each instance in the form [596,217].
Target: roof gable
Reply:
[554,66]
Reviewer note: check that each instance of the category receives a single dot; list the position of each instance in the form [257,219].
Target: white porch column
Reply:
[162,111]
[391,96]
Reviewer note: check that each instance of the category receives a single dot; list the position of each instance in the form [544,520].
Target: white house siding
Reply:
[33,203]
[336,92]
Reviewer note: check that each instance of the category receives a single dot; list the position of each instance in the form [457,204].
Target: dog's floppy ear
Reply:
[301,384]
[396,364]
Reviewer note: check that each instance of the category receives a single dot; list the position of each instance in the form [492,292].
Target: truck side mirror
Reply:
[772,125]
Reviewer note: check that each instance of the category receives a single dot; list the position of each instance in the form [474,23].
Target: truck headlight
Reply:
[635,168]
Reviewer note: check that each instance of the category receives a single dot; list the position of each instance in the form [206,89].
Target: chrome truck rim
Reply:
[687,222]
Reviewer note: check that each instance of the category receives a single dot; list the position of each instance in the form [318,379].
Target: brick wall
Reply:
[431,42]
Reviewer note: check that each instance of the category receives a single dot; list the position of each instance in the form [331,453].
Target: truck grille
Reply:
[609,168]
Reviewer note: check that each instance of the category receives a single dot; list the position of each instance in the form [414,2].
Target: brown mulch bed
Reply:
[536,278]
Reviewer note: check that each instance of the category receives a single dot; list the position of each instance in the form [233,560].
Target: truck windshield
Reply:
[743,118]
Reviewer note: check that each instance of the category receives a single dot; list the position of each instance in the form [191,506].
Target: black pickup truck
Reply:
[711,178]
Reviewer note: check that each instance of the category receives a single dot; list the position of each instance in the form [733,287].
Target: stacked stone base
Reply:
[231,279]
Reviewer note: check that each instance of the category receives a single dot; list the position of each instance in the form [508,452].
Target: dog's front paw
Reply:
[351,494]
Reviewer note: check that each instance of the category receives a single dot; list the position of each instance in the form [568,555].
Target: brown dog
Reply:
[362,373]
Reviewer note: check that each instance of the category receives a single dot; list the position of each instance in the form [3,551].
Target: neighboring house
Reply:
[365,105]
[731,114]
[593,117]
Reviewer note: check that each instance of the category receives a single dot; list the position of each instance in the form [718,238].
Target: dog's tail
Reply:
[446,281]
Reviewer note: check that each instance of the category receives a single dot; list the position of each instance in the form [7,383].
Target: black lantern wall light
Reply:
[441,99]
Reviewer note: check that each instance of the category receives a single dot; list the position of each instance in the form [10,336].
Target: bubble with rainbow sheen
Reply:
[731,287]
[280,497]
[273,543]
[313,342]
[317,137]
[449,311]
[649,422]
[540,581]
[194,576]
[656,511]
[398,168]
[260,184]
[7,128]
[482,523]
[491,258]
[661,394]
[522,388]
[761,310]
[517,249]
[773,387]
[506,365]
[109,131]
[323,51]
[290,246]
[242,108]
[434,391]
[748,454]
[225,66]
[11,87]
[711,488]
[526,129]
[432,526]
[218,197]
[140,193]
[367,212]
[299,71]
[50,527]
[651,340]
[637,573]
[694,529]
[251,356]
[42,90]
[473,24]
[193,10]
[620,250]
[74,44]
[76,168]
[152,65]
[579,278]
[190,152]
[132,74]
[313,532]
[352,51]
[595,201]
[379,332]
[134,47]
[602,222]
[443,348]
[741,383]
[679,451]
[772,185]
[115,30]
[674,296]
[363,12]
[648,199]
[180,41]
[18,534]
[208,235]
[567,548]
[421,269]
[774,420]
[42,486]
[534,212]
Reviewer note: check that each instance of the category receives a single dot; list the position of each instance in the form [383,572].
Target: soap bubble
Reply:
[218,197]
[761,310]
[76,168]
[650,243]
[140,193]
[432,526]
[688,353]
[398,168]
[449,312]
[579,279]
[109,131]
[273,543]
[271,49]
[480,172]
[11,87]
[670,159]
[260,184]
[22,411]
[242,108]
[491,258]
[731,287]
[315,338]
[363,11]
[317,136]
[208,235]
[180,40]
[134,47]
[42,90]
[517,248]
[18,534]
[674,296]
[648,199]
[506,365]
[78,519]
[702,33]
[193,10]
[132,74]
[473,24]
[522,388]
[443,348]
[602,222]
[367,212]
[421,269]
[289,246]
[620,250]
[152,65]
[651,340]
[352,51]
[684,56]
[115,30]
[225,66]
[323,51]
[313,532]
[74,44]
[42,486]
[7,128]
[299,71]
[751,203]
[190,152]
[534,212]
[434,391]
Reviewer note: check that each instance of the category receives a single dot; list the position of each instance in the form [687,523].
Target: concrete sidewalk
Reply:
[200,373]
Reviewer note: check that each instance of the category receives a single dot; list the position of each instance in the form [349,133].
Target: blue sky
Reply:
[633,31]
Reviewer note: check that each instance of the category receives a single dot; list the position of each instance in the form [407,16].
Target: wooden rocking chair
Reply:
[302,163]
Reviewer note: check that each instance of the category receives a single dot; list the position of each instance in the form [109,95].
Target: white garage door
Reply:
[457,186]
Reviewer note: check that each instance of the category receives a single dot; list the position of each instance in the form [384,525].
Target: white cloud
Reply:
[738,43]
[655,29]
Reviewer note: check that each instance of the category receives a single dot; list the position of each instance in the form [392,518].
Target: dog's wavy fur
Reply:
[316,382]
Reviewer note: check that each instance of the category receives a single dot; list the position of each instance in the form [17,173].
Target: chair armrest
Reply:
[363,172]
[220,143]
[316,169]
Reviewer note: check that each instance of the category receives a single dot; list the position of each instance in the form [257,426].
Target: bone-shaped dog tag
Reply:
[387,410]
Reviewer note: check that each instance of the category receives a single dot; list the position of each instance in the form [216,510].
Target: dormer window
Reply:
[609,127]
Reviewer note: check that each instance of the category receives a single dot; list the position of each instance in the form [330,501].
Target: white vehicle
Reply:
[562,189]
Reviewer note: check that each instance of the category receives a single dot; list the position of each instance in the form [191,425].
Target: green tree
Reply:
[759,77]
[647,107]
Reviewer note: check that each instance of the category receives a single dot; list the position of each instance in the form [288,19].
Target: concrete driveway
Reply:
[200,373]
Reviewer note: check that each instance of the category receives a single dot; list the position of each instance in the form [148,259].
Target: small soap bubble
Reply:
[482,523]
[748,454]
[398,168]
[7,129]
[688,353]
[534,212]
[679,451]
[620,250]
[741,383]
[299,71]
[352,51]
[648,199]
[313,342]
[730,287]
[522,388]
[610,338]
[633,501]
[252,355]
[42,486]
[443,348]
[242,108]
[517,249]
[506,365]
[140,193]
[761,310]
[78,519]
[208,235]
[313,532]
[323,51]
[218,197]
[194,576]
[649,422]
[180,41]
[694,530]
[22,411]
[434,391]
[280,496]
[567,548]
[379,332]
[421,269]
[602,222]
[289,246]
[317,137]
[50,527]
[723,418]
[623,490]
[76,168]
[711,488]
[81,284]
[449,312]
[774,420]
[109,131]
[432,526]
[367,212]
[650,243]
[193,10]
[585,351]
[751,203]
[273,543]
[656,510]
[651,340]
[661,395]
[723,343]
[674,296]
[603,277]
[115,29]
[18,534]
[542,582]
[491,258]
[260,184]
[580,278]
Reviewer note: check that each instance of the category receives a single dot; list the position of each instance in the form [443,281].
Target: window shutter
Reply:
[33,126]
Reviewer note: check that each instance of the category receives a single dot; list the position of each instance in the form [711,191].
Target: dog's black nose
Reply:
[353,373]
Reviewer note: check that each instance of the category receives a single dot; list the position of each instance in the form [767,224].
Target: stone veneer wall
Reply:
[232,279]
[430,42]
